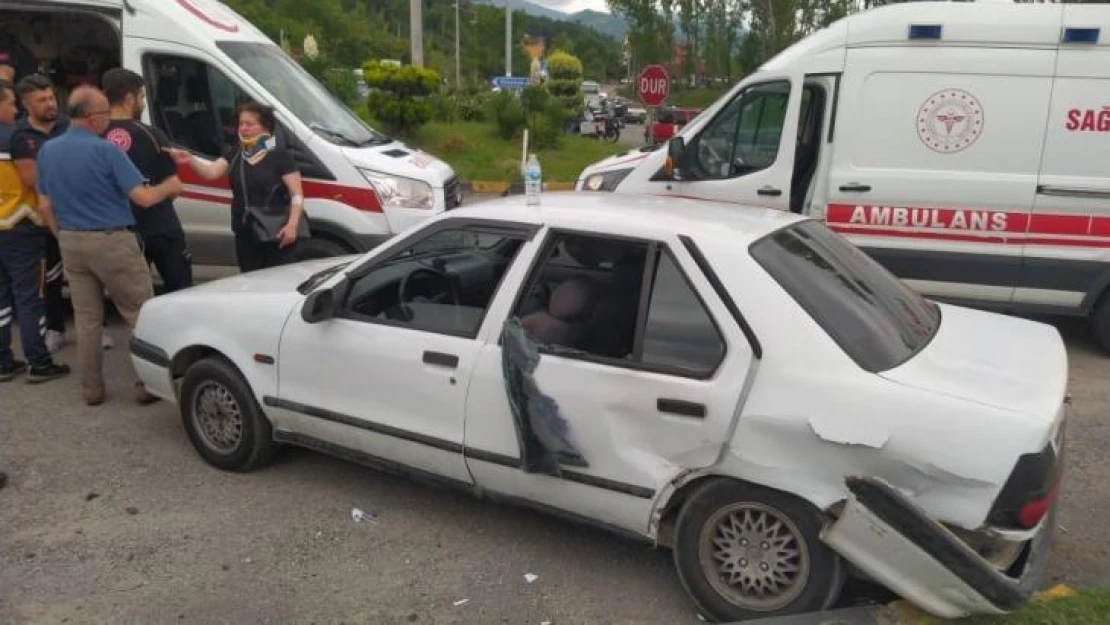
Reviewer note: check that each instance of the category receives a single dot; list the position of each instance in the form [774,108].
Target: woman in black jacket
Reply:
[267,206]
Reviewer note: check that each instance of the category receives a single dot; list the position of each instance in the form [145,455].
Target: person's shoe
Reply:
[8,373]
[46,373]
[144,397]
[93,402]
[55,341]
[3,479]
[107,342]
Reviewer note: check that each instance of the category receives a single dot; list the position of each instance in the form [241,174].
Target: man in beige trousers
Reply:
[84,184]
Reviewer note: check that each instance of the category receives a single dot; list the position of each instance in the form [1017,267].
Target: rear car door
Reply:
[935,158]
[1066,262]
[638,374]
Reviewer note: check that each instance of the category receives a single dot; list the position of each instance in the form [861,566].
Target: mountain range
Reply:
[605,23]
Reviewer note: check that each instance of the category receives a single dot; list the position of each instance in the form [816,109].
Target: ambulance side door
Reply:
[934,167]
[1066,264]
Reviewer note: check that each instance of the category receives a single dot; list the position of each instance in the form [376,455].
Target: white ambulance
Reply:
[201,60]
[965,146]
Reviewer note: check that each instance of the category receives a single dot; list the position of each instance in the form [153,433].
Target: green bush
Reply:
[547,126]
[344,84]
[507,113]
[445,108]
[401,97]
[564,82]
[473,108]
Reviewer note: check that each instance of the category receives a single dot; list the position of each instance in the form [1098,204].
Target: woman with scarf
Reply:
[267,212]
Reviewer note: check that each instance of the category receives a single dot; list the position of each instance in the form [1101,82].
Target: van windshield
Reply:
[874,317]
[291,85]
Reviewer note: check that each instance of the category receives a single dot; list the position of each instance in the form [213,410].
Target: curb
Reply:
[494,187]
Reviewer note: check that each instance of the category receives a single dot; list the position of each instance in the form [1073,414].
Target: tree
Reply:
[564,82]
[400,96]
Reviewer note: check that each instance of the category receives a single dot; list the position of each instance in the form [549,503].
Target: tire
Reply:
[796,525]
[222,418]
[1101,322]
[319,247]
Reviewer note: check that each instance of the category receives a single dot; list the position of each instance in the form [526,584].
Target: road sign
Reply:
[654,85]
[511,82]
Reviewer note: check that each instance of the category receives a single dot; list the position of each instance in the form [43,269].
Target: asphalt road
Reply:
[110,517]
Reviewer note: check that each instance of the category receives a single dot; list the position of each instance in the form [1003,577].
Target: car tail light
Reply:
[1030,492]
[1032,513]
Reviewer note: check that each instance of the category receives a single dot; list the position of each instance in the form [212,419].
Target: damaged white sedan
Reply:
[743,386]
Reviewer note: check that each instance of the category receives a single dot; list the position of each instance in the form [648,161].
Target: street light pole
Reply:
[416,31]
[508,37]
[457,72]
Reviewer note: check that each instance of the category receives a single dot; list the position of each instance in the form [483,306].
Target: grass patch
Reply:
[476,153]
[1090,606]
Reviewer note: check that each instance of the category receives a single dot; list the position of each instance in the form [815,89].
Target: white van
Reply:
[965,146]
[201,60]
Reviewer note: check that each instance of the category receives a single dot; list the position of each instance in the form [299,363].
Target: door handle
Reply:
[771,191]
[681,408]
[440,359]
[855,187]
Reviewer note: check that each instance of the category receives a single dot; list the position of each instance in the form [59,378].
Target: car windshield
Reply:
[874,317]
[291,85]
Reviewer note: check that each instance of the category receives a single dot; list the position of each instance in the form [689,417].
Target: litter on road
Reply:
[360,516]
[529,577]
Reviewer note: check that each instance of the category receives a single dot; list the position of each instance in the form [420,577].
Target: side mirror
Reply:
[319,306]
[676,154]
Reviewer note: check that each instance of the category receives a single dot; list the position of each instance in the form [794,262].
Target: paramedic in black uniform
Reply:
[160,229]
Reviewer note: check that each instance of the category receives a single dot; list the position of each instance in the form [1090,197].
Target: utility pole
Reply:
[416,31]
[508,37]
[458,82]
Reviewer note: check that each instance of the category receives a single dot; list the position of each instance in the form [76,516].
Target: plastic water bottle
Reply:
[533,180]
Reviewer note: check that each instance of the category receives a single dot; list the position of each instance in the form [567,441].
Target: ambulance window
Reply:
[744,138]
[193,103]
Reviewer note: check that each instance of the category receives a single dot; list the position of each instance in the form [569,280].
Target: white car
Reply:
[743,386]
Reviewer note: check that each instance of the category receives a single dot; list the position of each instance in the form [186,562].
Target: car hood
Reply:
[397,159]
[997,360]
[281,279]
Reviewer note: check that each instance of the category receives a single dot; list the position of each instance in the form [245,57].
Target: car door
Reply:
[387,376]
[641,369]
[745,154]
[1066,263]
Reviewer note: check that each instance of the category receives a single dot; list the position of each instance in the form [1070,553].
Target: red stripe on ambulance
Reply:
[972,225]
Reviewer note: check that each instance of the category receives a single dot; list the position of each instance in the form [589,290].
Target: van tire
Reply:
[710,515]
[320,247]
[1101,322]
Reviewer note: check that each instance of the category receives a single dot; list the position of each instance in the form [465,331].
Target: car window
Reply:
[874,317]
[745,136]
[194,103]
[442,283]
[679,332]
[586,298]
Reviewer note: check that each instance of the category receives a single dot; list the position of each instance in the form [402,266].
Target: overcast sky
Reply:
[570,6]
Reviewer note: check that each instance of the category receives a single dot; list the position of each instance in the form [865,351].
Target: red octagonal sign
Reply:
[654,85]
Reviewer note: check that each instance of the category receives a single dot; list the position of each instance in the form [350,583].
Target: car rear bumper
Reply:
[893,540]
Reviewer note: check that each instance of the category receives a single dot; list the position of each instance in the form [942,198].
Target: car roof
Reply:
[701,219]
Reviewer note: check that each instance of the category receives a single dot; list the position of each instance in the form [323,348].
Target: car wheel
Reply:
[746,552]
[222,418]
[317,247]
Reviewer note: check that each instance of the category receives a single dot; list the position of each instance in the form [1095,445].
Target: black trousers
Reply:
[170,256]
[254,255]
[55,305]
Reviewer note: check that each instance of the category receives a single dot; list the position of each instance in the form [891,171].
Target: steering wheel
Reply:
[403,289]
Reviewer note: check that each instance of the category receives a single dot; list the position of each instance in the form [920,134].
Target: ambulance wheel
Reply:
[747,552]
[1101,322]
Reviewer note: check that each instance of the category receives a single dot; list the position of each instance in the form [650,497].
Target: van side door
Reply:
[1066,261]
[935,159]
